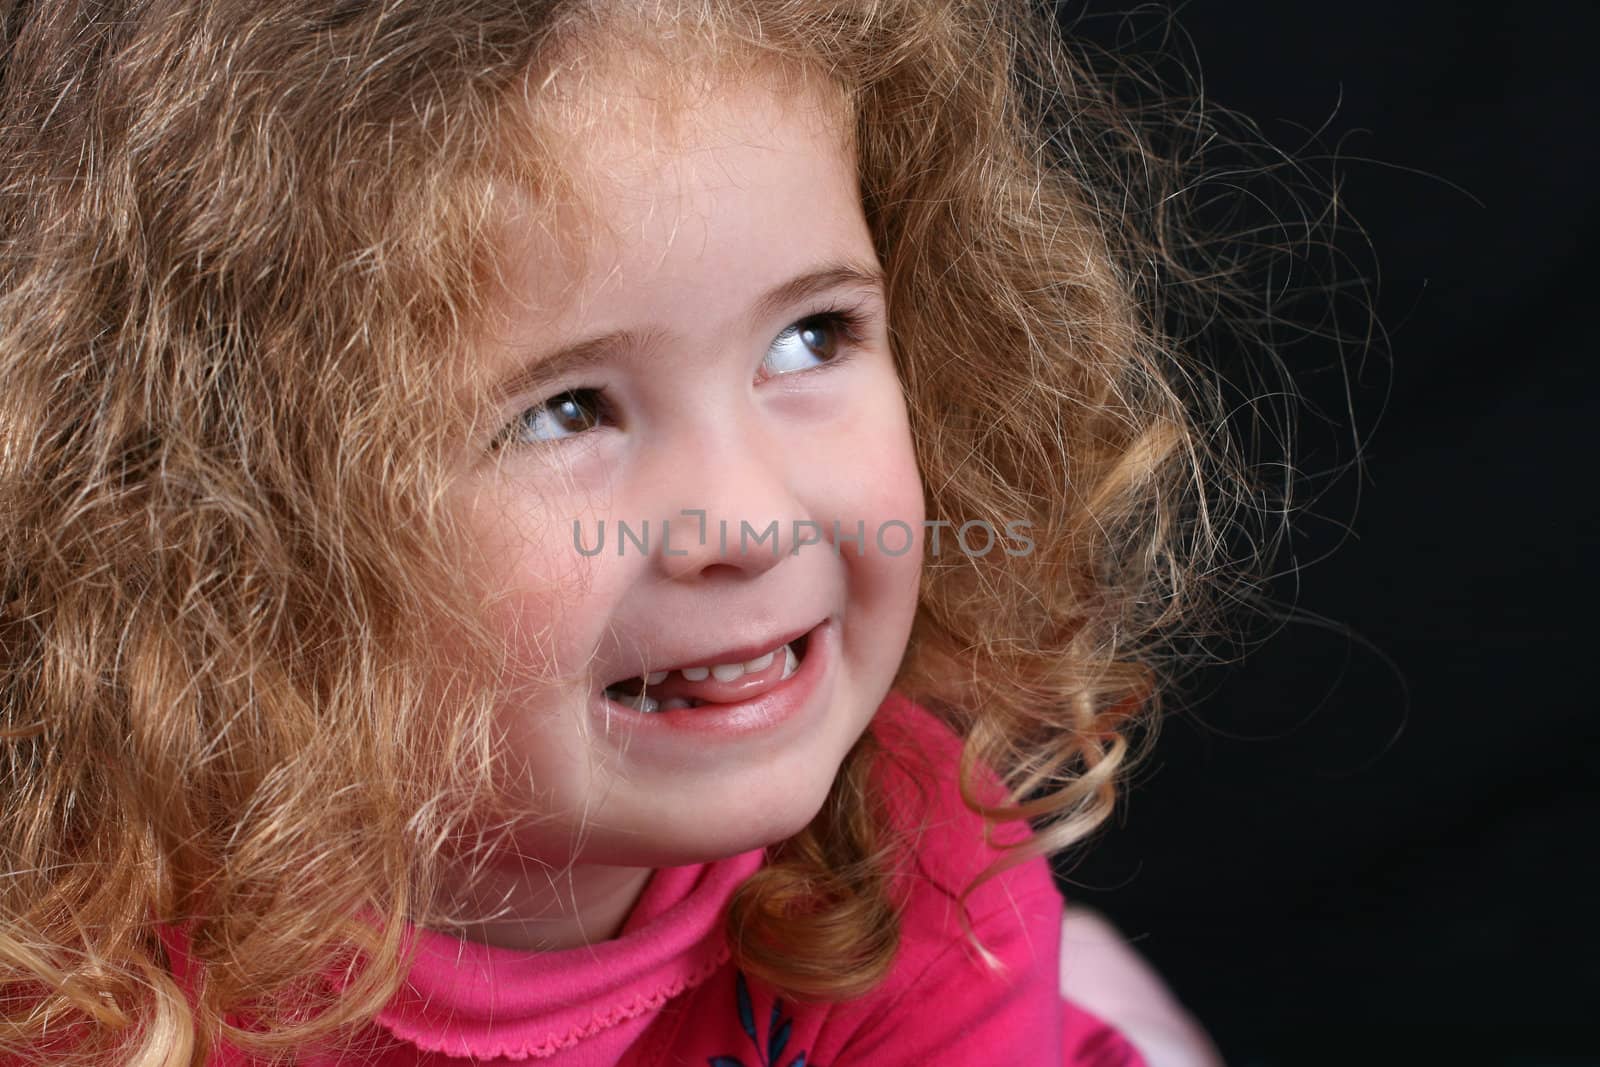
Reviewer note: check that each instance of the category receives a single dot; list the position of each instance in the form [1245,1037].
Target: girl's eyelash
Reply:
[850,320]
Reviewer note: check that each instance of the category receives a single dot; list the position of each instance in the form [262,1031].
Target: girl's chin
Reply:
[682,846]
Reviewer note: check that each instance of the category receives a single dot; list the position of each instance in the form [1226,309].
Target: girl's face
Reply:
[732,366]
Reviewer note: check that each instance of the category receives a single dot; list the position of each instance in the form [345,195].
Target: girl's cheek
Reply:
[526,576]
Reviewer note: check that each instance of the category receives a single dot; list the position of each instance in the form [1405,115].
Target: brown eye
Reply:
[564,415]
[808,343]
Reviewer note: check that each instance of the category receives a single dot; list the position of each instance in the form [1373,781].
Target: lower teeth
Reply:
[650,705]
[636,701]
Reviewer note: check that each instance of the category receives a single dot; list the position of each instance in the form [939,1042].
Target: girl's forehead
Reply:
[643,178]
[632,122]
[608,133]
[627,93]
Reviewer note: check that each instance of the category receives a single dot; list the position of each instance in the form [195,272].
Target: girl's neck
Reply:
[532,909]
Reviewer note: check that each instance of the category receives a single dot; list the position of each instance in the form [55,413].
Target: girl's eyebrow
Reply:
[638,344]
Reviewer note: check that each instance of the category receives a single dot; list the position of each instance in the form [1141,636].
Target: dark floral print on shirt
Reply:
[778,1029]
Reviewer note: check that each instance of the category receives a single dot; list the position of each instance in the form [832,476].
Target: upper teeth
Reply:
[727,672]
[724,672]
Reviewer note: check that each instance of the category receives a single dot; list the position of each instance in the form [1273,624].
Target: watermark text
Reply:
[891,537]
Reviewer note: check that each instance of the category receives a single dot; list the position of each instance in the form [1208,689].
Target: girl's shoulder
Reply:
[976,975]
[950,844]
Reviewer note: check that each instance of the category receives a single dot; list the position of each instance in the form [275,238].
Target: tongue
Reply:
[746,687]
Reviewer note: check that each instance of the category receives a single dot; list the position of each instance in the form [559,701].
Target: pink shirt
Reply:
[665,993]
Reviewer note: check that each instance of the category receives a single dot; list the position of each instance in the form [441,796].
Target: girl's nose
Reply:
[728,505]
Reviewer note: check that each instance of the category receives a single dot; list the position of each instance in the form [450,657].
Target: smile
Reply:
[727,682]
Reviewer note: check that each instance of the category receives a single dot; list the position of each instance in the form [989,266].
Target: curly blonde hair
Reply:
[240,243]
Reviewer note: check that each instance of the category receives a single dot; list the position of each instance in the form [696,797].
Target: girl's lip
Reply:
[778,704]
[746,652]
[729,655]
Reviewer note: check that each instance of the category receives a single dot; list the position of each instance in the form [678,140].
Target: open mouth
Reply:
[675,689]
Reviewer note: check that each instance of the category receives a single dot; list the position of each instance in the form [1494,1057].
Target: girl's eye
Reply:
[823,339]
[811,342]
[564,415]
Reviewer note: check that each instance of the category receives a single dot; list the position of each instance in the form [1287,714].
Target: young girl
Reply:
[580,531]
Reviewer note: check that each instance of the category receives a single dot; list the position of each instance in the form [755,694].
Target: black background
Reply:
[1373,841]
